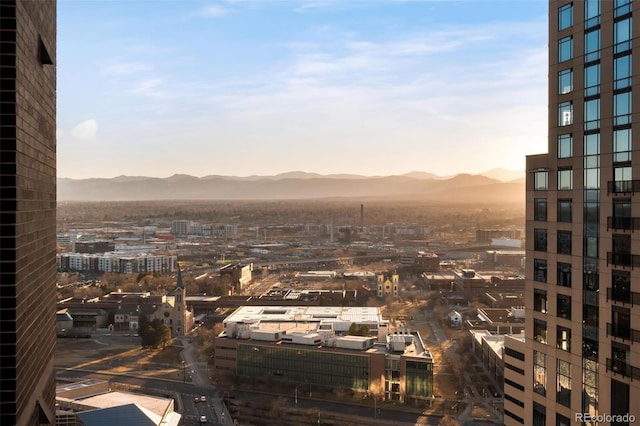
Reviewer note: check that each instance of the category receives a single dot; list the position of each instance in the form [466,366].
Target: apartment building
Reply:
[580,355]
[28,187]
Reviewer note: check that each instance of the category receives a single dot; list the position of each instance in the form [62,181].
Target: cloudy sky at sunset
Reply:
[373,87]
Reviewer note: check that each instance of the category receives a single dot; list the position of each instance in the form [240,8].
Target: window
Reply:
[565,81]
[565,145]
[622,72]
[565,49]
[562,420]
[592,80]
[565,114]
[565,180]
[622,145]
[539,415]
[591,13]
[540,300]
[540,209]
[621,214]
[621,322]
[541,180]
[540,239]
[564,242]
[621,286]
[592,114]
[540,270]
[622,108]
[563,338]
[540,331]
[621,248]
[622,7]
[563,306]
[512,399]
[592,46]
[564,210]
[620,402]
[565,17]
[539,373]
[622,179]
[564,274]
[622,35]
[563,383]
[592,144]
[513,416]
[514,354]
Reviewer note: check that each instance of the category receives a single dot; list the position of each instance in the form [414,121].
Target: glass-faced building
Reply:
[579,360]
[307,345]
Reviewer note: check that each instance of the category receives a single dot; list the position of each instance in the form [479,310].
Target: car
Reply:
[203,398]
[203,419]
[196,399]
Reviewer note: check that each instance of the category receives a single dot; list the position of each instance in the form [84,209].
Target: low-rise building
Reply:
[312,345]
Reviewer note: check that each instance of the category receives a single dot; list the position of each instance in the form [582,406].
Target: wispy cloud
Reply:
[85,131]
[215,11]
[151,88]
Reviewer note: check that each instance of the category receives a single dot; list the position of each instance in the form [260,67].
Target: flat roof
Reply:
[253,314]
[155,404]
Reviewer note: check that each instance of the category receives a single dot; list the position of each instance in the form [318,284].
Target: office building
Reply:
[28,187]
[580,355]
[313,345]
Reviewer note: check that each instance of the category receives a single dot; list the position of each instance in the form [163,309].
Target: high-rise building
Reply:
[28,212]
[579,359]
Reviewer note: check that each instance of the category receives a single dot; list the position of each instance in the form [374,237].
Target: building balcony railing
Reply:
[623,259]
[623,186]
[624,333]
[618,366]
[631,297]
[623,223]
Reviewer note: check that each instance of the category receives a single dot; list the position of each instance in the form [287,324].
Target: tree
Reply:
[359,330]
[154,334]
[448,421]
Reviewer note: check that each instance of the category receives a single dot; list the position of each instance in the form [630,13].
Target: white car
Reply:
[203,419]
[203,398]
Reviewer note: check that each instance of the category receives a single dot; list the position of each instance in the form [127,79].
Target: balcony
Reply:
[624,333]
[623,186]
[623,259]
[623,223]
[631,297]
[620,367]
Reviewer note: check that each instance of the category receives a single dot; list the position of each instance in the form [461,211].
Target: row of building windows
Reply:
[622,109]
[563,241]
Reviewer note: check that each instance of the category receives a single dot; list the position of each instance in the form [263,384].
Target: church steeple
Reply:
[179,291]
[179,283]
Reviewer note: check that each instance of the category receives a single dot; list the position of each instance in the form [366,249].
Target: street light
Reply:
[184,372]
[296,396]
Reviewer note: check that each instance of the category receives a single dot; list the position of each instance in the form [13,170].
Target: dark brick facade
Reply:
[28,210]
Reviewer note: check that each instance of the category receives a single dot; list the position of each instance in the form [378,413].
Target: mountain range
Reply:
[493,186]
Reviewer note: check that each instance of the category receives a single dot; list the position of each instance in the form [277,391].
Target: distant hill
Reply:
[504,175]
[463,188]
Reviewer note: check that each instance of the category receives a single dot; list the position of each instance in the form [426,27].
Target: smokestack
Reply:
[361,217]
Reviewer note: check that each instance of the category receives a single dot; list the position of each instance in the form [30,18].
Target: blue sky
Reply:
[373,87]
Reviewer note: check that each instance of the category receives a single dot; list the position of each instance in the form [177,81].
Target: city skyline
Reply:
[156,88]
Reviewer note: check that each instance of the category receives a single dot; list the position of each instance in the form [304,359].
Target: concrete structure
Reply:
[28,187]
[91,403]
[489,349]
[311,345]
[239,274]
[582,337]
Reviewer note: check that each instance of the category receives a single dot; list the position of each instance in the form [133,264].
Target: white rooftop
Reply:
[252,314]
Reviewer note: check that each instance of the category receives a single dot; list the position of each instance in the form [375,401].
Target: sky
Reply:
[261,87]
